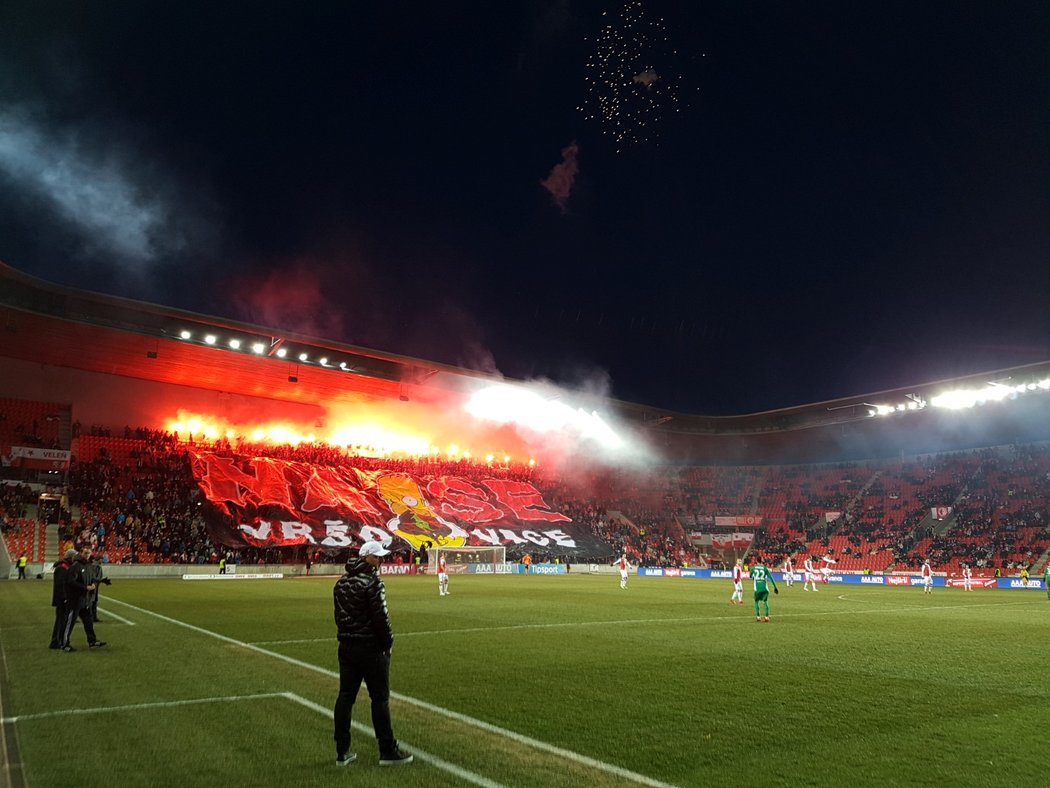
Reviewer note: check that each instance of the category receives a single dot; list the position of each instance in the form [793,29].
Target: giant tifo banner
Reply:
[275,503]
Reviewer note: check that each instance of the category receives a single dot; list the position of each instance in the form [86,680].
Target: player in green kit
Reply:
[1046,578]
[762,576]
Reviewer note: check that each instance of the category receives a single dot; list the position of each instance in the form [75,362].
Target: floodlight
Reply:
[185,334]
[209,339]
[258,348]
[282,352]
[323,360]
[303,357]
[235,344]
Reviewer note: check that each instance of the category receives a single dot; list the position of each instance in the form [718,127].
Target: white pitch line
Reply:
[135,706]
[451,768]
[109,612]
[426,757]
[512,735]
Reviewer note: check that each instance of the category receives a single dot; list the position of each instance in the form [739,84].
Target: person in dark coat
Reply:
[365,642]
[58,599]
[79,586]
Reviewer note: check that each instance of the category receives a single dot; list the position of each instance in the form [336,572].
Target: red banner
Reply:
[269,502]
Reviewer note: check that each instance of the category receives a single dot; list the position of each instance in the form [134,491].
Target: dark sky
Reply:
[825,199]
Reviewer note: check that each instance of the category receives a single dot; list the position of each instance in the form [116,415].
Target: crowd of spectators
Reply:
[146,506]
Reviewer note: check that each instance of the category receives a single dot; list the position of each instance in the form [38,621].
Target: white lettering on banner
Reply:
[373,533]
[535,538]
[873,579]
[562,538]
[539,569]
[510,536]
[487,535]
[337,534]
[720,573]
[293,530]
[262,532]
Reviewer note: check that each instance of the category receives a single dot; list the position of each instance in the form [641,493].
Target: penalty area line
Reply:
[569,755]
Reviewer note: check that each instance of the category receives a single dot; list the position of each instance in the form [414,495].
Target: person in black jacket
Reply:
[365,641]
[58,600]
[79,586]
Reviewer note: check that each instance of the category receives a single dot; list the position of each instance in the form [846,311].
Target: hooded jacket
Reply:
[58,588]
[360,605]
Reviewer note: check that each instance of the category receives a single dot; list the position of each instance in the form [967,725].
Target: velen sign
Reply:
[268,502]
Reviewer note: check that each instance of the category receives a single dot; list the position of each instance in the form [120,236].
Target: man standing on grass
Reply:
[738,584]
[58,599]
[365,642]
[809,573]
[967,575]
[789,572]
[442,575]
[621,564]
[927,577]
[761,575]
[1046,579]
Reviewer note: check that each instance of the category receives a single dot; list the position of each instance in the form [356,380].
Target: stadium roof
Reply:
[50,324]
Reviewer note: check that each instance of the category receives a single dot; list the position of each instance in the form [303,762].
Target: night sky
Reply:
[800,202]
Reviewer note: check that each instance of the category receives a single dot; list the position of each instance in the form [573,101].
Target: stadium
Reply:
[168,441]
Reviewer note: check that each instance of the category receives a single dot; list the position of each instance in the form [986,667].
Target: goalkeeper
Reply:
[762,578]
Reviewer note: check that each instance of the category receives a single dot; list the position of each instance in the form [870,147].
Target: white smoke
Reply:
[119,204]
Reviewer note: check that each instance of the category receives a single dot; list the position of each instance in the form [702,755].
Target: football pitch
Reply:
[545,680]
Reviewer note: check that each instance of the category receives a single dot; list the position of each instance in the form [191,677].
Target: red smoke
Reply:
[563,176]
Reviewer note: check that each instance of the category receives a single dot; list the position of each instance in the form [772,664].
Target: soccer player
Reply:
[967,574]
[789,572]
[825,571]
[761,576]
[443,575]
[927,577]
[738,585]
[810,574]
[1024,577]
[1046,579]
[621,564]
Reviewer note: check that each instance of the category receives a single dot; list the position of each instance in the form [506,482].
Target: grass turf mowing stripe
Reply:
[134,706]
[736,617]
[463,718]
[433,760]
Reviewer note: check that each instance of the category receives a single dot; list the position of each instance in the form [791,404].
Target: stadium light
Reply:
[322,360]
[235,344]
[258,348]
[303,357]
[282,352]
[185,334]
[209,339]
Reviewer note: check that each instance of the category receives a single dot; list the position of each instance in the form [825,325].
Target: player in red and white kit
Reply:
[622,565]
[967,574]
[738,585]
[825,571]
[927,577]
[442,575]
[810,574]
[789,571]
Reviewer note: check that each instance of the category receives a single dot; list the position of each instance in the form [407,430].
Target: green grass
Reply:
[850,686]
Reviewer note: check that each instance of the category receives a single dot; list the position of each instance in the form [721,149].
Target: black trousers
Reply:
[364,661]
[21,573]
[82,611]
[58,632]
